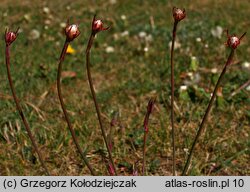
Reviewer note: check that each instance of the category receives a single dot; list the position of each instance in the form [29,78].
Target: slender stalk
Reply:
[172,96]
[63,53]
[110,135]
[201,128]
[27,127]
[145,125]
[144,149]
[90,42]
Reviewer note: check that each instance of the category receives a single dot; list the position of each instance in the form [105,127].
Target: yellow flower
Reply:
[70,50]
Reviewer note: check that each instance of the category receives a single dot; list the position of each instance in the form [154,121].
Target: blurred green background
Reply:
[130,63]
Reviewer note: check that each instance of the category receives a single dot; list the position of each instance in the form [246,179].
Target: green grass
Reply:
[124,82]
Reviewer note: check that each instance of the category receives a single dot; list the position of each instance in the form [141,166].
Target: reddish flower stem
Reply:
[145,125]
[90,42]
[18,106]
[63,53]
[201,128]
[172,96]
[144,151]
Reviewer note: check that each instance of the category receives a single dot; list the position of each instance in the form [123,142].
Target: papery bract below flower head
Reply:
[97,25]
[10,36]
[178,14]
[72,31]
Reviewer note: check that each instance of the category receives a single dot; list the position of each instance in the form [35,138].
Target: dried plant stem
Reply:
[90,42]
[7,54]
[172,96]
[63,53]
[201,128]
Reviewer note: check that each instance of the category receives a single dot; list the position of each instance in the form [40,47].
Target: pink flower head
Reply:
[72,31]
[10,36]
[233,41]
[97,25]
[178,14]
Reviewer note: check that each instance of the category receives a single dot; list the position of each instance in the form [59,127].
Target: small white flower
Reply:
[27,17]
[110,49]
[214,70]
[116,36]
[112,2]
[246,64]
[186,150]
[123,17]
[177,45]
[124,33]
[46,10]
[149,38]
[248,88]
[193,58]
[142,34]
[34,34]
[198,39]
[183,88]
[217,32]
[190,74]
[63,25]
[47,22]
[5,14]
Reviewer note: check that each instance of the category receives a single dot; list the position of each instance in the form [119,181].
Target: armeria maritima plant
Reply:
[178,15]
[232,42]
[10,37]
[97,26]
[71,32]
[145,126]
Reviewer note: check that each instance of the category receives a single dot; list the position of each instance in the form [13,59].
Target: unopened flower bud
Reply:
[178,14]
[233,41]
[10,36]
[97,25]
[72,31]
